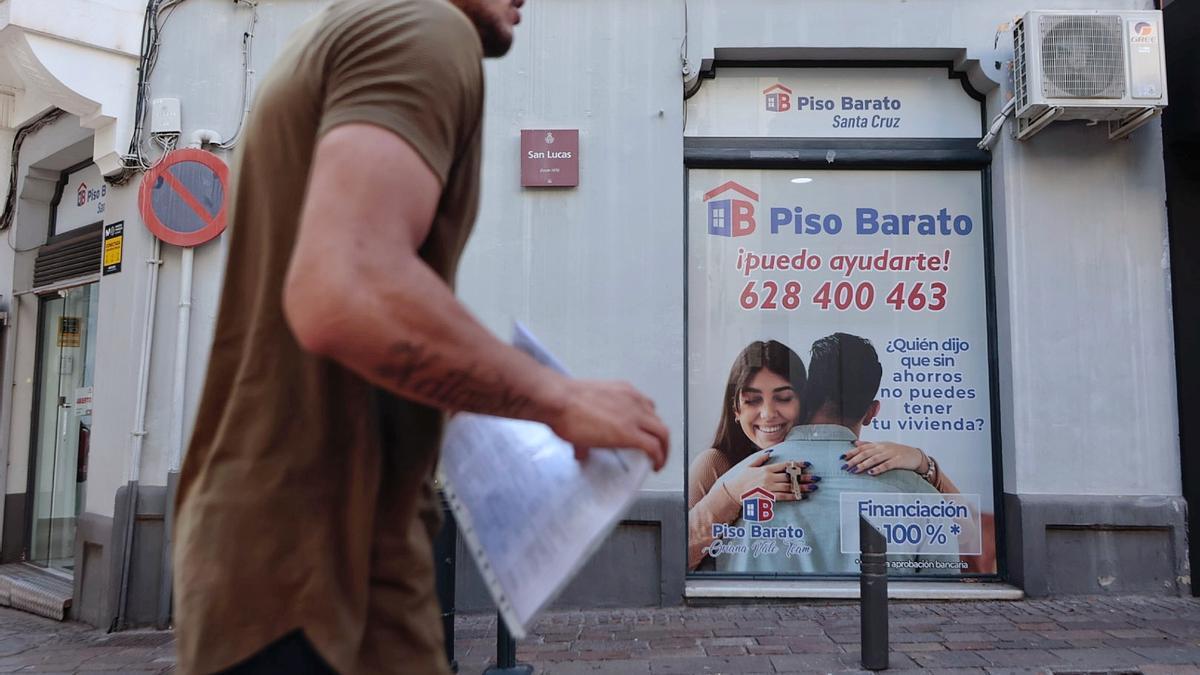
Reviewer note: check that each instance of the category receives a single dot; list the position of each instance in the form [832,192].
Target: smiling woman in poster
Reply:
[760,406]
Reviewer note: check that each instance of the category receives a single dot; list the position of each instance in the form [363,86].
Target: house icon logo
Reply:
[730,216]
[758,505]
[81,195]
[778,98]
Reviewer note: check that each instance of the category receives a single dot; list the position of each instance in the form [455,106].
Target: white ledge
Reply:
[848,590]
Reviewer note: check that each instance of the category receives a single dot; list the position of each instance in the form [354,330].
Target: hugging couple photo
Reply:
[795,432]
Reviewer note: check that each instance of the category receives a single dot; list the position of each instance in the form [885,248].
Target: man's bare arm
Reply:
[358,292]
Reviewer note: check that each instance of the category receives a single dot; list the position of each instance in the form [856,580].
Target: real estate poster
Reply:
[838,366]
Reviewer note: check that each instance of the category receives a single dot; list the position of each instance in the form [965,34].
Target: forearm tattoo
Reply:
[412,371]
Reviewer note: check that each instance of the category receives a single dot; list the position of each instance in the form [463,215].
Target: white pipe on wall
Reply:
[200,137]
[8,371]
[143,384]
[181,356]
[139,431]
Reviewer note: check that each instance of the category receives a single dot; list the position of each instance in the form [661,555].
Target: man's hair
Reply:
[843,374]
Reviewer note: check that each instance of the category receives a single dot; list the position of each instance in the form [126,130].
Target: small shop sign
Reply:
[549,157]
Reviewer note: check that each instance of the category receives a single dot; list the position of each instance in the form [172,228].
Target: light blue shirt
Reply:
[819,551]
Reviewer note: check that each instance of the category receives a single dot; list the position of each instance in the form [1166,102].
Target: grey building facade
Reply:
[1084,440]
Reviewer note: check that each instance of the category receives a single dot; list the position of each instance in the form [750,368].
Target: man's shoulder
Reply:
[428,19]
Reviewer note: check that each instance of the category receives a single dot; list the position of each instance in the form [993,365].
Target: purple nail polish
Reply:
[845,467]
[815,479]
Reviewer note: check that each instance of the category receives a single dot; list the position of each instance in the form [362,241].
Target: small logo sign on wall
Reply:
[549,157]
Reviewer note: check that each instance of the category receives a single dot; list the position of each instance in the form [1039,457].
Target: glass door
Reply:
[64,423]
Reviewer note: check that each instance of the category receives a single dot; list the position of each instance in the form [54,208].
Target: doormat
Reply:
[32,590]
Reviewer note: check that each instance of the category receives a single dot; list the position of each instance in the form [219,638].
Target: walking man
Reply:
[305,509]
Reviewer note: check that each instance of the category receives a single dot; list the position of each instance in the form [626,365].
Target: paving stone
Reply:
[971,637]
[910,647]
[804,645]
[706,664]
[1073,634]
[731,650]
[1107,657]
[673,642]
[950,659]
[1164,669]
[1136,633]
[1017,657]
[1170,655]
[807,663]
[767,650]
[727,642]
[595,668]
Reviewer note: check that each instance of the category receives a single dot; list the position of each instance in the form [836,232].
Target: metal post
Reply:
[445,549]
[873,596]
[506,653]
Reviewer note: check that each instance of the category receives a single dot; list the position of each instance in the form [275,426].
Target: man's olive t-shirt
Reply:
[305,501]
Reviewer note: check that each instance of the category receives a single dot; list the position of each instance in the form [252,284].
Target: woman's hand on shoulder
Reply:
[877,457]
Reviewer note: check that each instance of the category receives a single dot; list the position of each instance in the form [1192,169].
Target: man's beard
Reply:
[496,41]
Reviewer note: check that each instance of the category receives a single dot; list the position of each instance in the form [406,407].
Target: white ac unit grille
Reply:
[1082,56]
[1020,66]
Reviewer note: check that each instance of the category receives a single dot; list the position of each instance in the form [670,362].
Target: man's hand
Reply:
[611,415]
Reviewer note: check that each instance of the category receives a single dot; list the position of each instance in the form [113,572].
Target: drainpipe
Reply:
[137,435]
[8,384]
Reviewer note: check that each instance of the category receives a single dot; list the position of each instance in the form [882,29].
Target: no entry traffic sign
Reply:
[182,199]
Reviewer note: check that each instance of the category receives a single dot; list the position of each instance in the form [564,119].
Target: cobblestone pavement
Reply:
[1093,635]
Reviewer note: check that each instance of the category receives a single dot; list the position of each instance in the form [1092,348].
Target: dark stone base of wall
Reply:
[1097,545]
[14,527]
[641,564]
[99,545]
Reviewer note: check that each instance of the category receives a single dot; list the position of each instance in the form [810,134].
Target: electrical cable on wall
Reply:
[158,14]
[247,73]
[10,202]
[993,132]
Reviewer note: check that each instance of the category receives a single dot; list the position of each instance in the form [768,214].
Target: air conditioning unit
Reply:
[1102,66]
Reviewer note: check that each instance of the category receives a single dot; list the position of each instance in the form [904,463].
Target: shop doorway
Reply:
[62,424]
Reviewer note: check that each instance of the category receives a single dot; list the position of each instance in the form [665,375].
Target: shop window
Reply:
[839,292]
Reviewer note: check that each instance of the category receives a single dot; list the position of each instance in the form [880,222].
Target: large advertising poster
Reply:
[838,365]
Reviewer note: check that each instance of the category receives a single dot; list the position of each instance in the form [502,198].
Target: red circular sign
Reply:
[183,197]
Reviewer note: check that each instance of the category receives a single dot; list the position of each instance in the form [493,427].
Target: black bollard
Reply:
[506,653]
[873,596]
[445,551]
